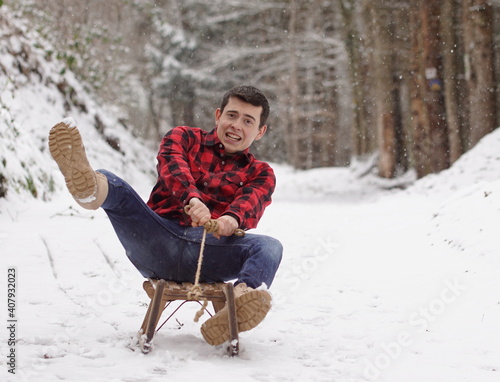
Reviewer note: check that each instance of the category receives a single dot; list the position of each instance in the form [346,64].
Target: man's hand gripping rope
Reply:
[211,226]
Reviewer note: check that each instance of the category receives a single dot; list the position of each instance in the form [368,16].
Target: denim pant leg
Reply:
[152,244]
[161,248]
[252,259]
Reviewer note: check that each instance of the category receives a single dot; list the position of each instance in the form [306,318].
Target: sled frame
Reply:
[163,292]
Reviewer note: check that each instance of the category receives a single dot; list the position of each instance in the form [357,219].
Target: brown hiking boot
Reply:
[88,188]
[251,307]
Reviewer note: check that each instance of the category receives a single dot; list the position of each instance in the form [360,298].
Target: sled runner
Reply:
[163,292]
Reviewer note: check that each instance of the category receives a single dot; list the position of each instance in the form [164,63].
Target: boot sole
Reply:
[251,309]
[66,147]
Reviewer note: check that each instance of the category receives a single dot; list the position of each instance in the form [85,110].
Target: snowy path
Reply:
[365,292]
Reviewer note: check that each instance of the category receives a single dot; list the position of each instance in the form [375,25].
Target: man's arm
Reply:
[247,205]
[173,168]
[251,200]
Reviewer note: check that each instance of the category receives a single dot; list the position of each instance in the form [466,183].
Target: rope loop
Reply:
[194,293]
[211,226]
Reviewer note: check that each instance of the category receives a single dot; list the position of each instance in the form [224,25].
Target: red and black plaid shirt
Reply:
[192,163]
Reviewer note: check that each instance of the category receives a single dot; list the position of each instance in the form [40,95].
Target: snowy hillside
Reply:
[35,94]
[376,283]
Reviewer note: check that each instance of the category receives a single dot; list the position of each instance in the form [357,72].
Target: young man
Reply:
[218,178]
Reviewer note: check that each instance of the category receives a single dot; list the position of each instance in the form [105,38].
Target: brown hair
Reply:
[251,95]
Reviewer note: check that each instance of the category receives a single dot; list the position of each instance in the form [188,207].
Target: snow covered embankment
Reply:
[36,92]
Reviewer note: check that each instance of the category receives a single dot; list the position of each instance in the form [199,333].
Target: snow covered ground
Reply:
[376,284]
[387,285]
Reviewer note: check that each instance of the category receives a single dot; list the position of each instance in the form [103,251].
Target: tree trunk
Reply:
[182,100]
[386,105]
[438,130]
[430,137]
[292,139]
[480,68]
[450,75]
[351,35]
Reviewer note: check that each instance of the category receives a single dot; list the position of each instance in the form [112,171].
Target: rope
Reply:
[195,292]
[211,226]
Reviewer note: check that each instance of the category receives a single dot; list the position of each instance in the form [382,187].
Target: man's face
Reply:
[238,125]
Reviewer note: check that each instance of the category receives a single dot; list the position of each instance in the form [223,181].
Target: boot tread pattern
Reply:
[66,147]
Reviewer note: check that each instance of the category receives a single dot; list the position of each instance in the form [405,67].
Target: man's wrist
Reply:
[190,195]
[233,216]
[194,201]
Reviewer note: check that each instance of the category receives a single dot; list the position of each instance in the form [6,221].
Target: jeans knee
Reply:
[274,250]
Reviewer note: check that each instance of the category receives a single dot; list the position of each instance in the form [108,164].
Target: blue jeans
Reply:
[162,249]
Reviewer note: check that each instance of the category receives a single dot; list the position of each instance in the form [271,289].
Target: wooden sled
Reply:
[163,292]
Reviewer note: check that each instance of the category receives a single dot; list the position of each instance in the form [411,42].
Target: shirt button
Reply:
[223,162]
[220,145]
[205,184]
[241,183]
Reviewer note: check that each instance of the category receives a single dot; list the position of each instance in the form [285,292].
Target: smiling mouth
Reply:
[233,137]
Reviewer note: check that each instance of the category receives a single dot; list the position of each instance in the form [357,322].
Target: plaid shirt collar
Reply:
[212,139]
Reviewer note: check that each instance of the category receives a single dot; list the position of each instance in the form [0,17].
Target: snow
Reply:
[70,122]
[89,199]
[377,283]
[388,285]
